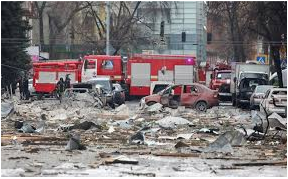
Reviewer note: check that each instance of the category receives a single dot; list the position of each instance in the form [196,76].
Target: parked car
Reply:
[275,100]
[70,91]
[108,88]
[157,86]
[196,96]
[258,94]
[119,94]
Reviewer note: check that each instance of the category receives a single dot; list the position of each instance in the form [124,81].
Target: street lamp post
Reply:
[107,26]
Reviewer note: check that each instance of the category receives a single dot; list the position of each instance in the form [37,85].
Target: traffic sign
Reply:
[262,59]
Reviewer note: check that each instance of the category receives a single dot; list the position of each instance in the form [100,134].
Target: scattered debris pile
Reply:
[78,128]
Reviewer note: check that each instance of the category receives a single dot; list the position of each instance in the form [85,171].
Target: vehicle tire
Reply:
[201,106]
[151,103]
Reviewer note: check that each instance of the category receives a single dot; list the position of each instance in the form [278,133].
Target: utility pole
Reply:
[107,26]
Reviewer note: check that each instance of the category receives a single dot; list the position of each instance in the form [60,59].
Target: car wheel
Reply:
[151,103]
[201,106]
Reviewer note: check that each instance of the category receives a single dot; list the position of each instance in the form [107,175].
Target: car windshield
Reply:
[105,84]
[262,89]
[223,75]
[117,87]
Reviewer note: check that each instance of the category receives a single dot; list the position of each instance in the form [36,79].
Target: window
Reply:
[107,64]
[194,89]
[279,92]
[223,76]
[89,64]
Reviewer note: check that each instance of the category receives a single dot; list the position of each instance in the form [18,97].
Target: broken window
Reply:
[107,64]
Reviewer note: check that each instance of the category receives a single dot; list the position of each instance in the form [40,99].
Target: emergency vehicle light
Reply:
[190,61]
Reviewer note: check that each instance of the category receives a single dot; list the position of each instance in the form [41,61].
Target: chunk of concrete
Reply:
[27,128]
[157,107]
[173,122]
[137,138]
[223,144]
[6,108]
[74,143]
[122,110]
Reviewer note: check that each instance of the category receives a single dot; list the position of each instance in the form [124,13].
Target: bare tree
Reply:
[60,15]
[125,24]
[40,9]
[236,18]
[270,22]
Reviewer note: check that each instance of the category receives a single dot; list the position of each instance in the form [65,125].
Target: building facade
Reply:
[184,28]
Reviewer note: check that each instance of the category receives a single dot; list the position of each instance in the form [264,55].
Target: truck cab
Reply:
[244,79]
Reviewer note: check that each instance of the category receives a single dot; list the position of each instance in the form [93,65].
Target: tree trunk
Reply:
[41,31]
[276,58]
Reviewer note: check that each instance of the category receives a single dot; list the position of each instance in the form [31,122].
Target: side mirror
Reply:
[234,79]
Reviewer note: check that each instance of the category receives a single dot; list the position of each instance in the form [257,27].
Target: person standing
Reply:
[26,89]
[67,81]
[60,88]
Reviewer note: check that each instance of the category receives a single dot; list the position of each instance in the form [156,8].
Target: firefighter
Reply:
[26,88]
[60,88]
[67,81]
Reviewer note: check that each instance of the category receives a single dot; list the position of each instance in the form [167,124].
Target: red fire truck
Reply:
[143,69]
[47,74]
[135,75]
[220,80]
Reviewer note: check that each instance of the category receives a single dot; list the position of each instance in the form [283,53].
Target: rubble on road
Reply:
[127,136]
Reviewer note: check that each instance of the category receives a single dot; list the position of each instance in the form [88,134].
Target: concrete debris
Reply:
[184,136]
[74,143]
[6,109]
[111,129]
[150,138]
[170,122]
[224,143]
[121,159]
[122,110]
[137,138]
[27,128]
[211,131]
[167,137]
[125,124]
[221,145]
[157,107]
[18,172]
[86,125]
[181,144]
